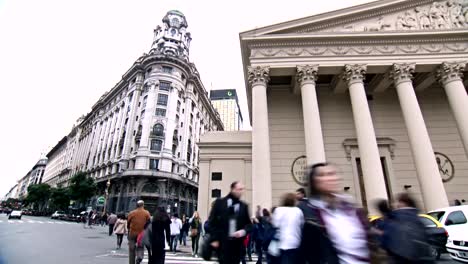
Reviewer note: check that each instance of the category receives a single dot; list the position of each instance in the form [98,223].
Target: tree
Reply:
[82,187]
[38,194]
[59,198]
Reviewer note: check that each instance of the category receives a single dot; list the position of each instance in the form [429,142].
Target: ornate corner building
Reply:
[139,140]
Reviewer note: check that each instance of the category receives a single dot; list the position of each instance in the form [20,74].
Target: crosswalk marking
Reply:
[40,222]
[31,221]
[1,221]
[20,221]
[50,222]
[9,221]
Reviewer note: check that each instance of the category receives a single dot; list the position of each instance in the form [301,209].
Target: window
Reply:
[215,193]
[142,114]
[160,112]
[437,215]
[156,145]
[455,218]
[191,118]
[427,222]
[217,176]
[167,69]
[162,99]
[193,106]
[174,149]
[144,101]
[153,165]
[158,130]
[181,124]
[178,106]
[165,86]
[188,156]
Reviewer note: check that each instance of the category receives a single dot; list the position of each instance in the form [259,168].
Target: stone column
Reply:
[131,120]
[374,182]
[203,190]
[432,188]
[147,126]
[450,76]
[261,168]
[306,77]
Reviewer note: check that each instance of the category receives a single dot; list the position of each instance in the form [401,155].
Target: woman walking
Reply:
[288,220]
[120,228]
[161,233]
[336,232]
[195,232]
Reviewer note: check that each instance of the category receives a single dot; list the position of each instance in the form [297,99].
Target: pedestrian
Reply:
[120,228]
[160,235]
[176,226]
[136,224]
[111,220]
[288,220]
[229,224]
[269,237]
[258,235]
[404,234]
[104,218]
[301,195]
[184,231]
[83,218]
[258,212]
[91,216]
[195,232]
[335,231]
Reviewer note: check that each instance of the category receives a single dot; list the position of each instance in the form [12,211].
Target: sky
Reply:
[58,57]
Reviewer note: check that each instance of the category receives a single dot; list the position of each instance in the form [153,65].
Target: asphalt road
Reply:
[39,240]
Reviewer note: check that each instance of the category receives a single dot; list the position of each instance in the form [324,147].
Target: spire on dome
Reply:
[172,37]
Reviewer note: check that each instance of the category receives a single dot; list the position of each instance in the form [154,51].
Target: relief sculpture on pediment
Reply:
[450,14]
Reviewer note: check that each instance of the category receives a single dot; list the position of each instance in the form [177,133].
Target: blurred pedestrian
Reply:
[258,235]
[104,219]
[229,223]
[184,231]
[111,220]
[288,219]
[120,229]
[404,234]
[160,235]
[176,226]
[195,232]
[91,216]
[335,231]
[301,195]
[136,223]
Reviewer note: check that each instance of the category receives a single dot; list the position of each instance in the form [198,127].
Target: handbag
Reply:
[194,232]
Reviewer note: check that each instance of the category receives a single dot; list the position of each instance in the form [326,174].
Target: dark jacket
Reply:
[405,235]
[157,234]
[196,224]
[220,215]
[316,247]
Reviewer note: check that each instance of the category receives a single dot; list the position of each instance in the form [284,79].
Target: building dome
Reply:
[172,37]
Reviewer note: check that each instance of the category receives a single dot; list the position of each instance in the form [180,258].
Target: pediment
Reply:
[379,16]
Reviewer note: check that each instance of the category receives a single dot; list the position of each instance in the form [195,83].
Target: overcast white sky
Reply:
[58,57]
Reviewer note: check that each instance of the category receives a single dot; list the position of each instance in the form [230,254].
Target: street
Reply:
[41,240]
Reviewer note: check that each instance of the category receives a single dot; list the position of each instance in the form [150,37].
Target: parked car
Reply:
[57,214]
[437,234]
[454,220]
[15,214]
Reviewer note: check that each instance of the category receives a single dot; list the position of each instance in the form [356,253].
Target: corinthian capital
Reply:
[307,73]
[402,72]
[354,73]
[258,74]
[450,71]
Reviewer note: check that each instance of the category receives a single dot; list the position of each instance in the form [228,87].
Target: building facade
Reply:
[34,176]
[226,103]
[139,140]
[13,193]
[377,89]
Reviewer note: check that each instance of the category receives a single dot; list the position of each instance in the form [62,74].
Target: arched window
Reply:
[158,130]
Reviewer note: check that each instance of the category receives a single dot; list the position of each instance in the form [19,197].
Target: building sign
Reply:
[446,168]
[298,170]
[101,200]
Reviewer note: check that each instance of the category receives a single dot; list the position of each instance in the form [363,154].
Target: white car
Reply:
[457,246]
[454,220]
[57,214]
[15,214]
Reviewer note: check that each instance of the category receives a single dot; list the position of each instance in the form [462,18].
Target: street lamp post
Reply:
[108,183]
